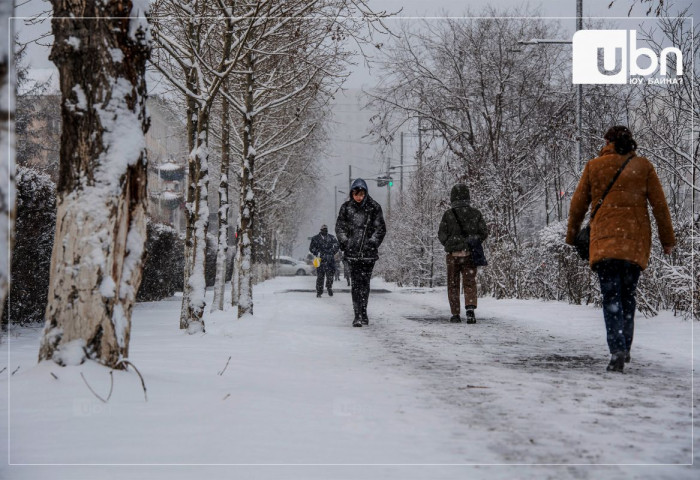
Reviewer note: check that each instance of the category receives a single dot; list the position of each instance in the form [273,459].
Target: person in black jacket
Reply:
[461,232]
[360,229]
[325,246]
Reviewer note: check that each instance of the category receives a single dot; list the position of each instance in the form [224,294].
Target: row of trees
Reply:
[500,117]
[255,76]
[251,78]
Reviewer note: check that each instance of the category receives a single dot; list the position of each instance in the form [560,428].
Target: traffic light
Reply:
[384,181]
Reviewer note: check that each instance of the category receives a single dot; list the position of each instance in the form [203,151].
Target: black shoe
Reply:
[470,316]
[357,322]
[628,358]
[455,319]
[330,292]
[617,362]
[318,295]
[363,317]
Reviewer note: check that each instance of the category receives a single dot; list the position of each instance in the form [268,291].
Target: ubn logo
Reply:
[605,57]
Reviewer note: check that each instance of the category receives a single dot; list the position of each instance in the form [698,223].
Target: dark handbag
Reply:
[477,251]
[475,247]
[582,241]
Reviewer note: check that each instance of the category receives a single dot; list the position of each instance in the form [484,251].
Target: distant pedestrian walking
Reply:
[462,231]
[324,245]
[620,237]
[360,228]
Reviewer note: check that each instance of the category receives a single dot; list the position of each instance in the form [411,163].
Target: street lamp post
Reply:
[579,88]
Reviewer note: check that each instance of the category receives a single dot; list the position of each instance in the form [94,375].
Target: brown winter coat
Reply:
[621,228]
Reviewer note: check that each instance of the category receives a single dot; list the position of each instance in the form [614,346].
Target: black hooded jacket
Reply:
[360,226]
[324,246]
[462,223]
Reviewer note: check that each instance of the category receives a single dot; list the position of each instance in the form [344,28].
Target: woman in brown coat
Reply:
[620,232]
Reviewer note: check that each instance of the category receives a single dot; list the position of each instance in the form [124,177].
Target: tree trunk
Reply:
[222,247]
[247,206]
[7,165]
[101,193]
[193,298]
[235,277]
[192,115]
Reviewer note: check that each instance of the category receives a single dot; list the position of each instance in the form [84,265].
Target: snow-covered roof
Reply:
[170,166]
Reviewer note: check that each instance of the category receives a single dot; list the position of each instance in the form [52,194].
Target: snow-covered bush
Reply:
[164,267]
[31,256]
[667,283]
[163,272]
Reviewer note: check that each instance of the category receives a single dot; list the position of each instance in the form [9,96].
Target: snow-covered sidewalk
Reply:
[525,385]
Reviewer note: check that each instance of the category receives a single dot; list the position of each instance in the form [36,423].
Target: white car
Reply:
[290,266]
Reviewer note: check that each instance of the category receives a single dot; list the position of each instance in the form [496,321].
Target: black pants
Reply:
[618,284]
[360,274]
[321,272]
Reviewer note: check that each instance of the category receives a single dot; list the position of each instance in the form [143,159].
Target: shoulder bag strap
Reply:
[459,223]
[612,182]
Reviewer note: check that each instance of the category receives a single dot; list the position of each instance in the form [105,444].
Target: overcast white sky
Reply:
[418,8]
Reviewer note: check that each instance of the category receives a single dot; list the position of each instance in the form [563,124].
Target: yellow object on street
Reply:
[317,261]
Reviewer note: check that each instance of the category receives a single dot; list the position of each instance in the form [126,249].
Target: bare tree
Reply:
[468,81]
[292,64]
[100,49]
[198,46]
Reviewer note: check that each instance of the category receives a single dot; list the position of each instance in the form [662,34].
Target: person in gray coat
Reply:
[462,231]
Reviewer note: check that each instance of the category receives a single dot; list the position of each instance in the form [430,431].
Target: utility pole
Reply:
[401,175]
[388,201]
[579,94]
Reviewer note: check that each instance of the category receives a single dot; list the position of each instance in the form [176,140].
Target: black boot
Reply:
[471,318]
[330,292]
[357,322]
[617,362]
[455,319]
[628,358]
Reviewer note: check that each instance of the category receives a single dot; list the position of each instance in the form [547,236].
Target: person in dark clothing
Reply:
[324,246]
[620,241]
[360,229]
[462,227]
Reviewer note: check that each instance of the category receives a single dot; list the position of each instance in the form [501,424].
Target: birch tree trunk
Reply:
[236,275]
[7,150]
[222,247]
[193,299]
[101,193]
[192,116]
[247,205]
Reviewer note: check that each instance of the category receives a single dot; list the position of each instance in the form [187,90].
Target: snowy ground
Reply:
[521,394]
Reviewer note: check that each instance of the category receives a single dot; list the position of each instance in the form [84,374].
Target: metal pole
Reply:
[388,202]
[420,145]
[401,175]
[579,95]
